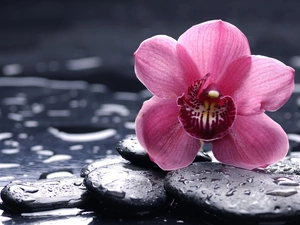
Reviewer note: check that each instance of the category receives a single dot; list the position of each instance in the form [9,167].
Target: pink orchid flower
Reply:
[208,87]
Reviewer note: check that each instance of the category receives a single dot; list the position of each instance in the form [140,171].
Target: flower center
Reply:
[205,113]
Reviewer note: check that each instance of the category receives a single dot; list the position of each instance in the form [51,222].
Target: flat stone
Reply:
[128,188]
[46,194]
[130,148]
[112,159]
[230,192]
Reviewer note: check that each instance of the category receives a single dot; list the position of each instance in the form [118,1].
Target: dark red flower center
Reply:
[205,113]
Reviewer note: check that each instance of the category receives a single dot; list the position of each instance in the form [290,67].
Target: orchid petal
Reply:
[213,45]
[253,141]
[160,133]
[164,67]
[257,83]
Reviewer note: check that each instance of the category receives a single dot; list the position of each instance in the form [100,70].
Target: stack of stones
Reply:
[132,184]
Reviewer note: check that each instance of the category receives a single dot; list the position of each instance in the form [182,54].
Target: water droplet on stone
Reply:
[282,192]
[249,180]
[276,208]
[216,186]
[284,181]
[29,189]
[202,179]
[247,192]
[182,180]
[78,183]
[230,192]
[214,180]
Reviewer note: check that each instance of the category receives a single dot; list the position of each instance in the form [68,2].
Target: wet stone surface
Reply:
[130,148]
[109,160]
[288,165]
[236,193]
[128,188]
[45,194]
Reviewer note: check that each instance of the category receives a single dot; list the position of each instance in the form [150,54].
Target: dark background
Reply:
[35,34]
[43,38]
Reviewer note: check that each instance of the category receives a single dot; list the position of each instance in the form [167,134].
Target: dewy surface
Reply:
[68,92]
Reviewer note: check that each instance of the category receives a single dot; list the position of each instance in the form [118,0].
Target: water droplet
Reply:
[134,198]
[230,192]
[28,199]
[284,181]
[249,180]
[29,189]
[214,180]
[247,192]
[242,183]
[84,137]
[77,183]
[58,157]
[182,180]
[216,186]
[272,170]
[202,179]
[276,208]
[282,192]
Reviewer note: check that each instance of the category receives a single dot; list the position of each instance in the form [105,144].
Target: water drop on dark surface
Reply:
[282,192]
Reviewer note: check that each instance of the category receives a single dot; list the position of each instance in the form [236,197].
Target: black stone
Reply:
[45,194]
[128,188]
[234,193]
[129,148]
[112,159]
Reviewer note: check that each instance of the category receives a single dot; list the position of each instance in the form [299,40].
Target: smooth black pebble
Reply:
[112,159]
[128,188]
[46,194]
[230,192]
[130,148]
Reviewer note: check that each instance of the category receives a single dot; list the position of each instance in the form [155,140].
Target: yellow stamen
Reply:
[213,94]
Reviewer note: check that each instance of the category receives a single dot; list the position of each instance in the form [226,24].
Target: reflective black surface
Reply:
[68,93]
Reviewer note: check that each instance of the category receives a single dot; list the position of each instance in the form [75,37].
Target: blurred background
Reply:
[94,40]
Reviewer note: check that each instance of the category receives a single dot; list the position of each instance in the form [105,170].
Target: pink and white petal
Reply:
[163,67]
[213,45]
[253,142]
[257,83]
[160,133]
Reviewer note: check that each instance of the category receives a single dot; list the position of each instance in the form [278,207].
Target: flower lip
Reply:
[206,114]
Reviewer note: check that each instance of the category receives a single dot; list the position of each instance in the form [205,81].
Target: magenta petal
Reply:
[213,45]
[160,133]
[257,83]
[253,142]
[164,67]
